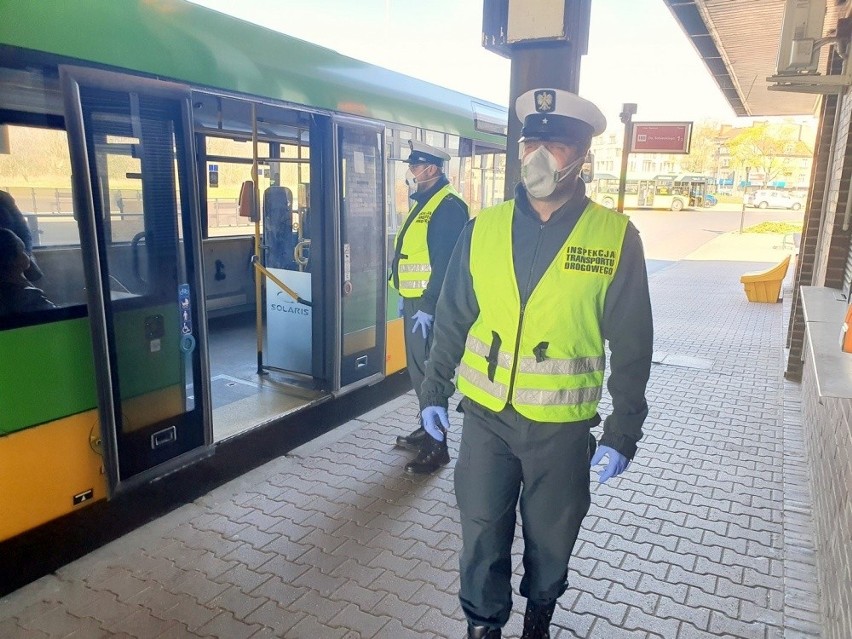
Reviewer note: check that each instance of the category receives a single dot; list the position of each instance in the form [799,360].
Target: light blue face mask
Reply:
[540,172]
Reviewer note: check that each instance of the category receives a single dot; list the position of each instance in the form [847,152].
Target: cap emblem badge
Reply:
[545,100]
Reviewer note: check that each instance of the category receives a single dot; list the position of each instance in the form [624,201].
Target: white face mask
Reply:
[412,180]
[540,172]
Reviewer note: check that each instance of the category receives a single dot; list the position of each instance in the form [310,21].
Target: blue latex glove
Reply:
[436,422]
[423,321]
[615,465]
[399,305]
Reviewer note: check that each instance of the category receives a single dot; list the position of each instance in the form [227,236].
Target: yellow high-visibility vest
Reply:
[414,267]
[546,357]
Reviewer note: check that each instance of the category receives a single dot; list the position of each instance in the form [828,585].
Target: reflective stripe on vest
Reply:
[413,266]
[548,354]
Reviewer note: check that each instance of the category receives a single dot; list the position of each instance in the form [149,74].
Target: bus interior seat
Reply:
[278,233]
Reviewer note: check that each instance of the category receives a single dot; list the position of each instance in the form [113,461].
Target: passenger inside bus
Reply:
[11,218]
[17,294]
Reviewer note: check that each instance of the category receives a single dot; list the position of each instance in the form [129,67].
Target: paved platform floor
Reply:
[706,534]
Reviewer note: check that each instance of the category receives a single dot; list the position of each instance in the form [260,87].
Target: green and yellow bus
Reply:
[183,313]
[670,192]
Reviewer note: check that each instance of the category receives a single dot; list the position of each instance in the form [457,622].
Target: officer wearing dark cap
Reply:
[423,248]
[535,288]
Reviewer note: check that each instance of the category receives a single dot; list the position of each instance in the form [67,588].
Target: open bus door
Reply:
[361,261]
[148,335]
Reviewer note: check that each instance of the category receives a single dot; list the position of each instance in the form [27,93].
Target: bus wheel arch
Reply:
[677,204]
[608,202]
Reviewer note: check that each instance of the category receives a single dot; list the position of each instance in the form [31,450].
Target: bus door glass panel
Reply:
[228,165]
[286,241]
[647,189]
[141,186]
[362,257]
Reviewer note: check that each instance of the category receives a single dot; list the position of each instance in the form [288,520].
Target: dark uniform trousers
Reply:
[501,456]
[416,348]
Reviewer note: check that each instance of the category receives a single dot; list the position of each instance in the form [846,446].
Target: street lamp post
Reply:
[628,110]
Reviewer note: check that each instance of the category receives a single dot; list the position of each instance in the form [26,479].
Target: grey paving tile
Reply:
[724,625]
[201,560]
[237,602]
[105,608]
[248,556]
[277,619]
[187,611]
[355,620]
[226,626]
[47,618]
[198,586]
[707,535]
[83,629]
[244,578]
[351,592]
[142,624]
[177,631]
[310,628]
[395,630]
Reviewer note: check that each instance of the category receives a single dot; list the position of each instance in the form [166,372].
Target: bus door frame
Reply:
[71,80]
[336,260]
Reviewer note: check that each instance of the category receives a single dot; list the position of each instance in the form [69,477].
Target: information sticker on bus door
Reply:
[187,341]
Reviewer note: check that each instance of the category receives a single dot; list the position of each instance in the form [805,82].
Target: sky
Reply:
[637,52]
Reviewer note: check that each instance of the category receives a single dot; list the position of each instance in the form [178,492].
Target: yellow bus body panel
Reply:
[43,468]
[395,346]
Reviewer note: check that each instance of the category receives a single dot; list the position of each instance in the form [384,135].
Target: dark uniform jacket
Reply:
[15,298]
[445,226]
[627,323]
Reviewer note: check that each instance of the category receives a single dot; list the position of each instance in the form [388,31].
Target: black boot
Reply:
[483,632]
[413,441]
[433,454]
[537,621]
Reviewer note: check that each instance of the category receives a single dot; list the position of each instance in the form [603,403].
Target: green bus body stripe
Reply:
[47,372]
[178,40]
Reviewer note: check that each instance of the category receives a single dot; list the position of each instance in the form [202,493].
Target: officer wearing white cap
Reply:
[422,252]
[535,288]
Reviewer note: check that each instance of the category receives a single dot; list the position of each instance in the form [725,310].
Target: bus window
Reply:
[433,138]
[36,174]
[487,177]
[228,166]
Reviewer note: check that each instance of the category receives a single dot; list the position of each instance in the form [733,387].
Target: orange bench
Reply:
[765,286]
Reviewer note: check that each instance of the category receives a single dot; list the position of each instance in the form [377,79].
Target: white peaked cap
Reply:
[558,114]
[422,153]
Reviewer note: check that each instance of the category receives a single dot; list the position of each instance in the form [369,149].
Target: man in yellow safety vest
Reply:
[534,289]
[422,250]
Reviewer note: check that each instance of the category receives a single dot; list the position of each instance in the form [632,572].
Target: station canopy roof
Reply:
[738,41]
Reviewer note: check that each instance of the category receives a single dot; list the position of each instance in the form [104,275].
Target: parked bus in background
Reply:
[667,191]
[700,189]
[649,193]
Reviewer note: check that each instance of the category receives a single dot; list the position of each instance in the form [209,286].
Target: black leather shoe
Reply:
[483,632]
[433,454]
[413,441]
[537,621]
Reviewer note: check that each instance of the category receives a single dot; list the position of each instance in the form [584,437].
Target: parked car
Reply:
[773,199]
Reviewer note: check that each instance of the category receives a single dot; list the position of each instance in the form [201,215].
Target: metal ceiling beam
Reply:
[738,43]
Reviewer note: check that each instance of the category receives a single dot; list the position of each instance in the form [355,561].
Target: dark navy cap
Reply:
[422,153]
[559,115]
